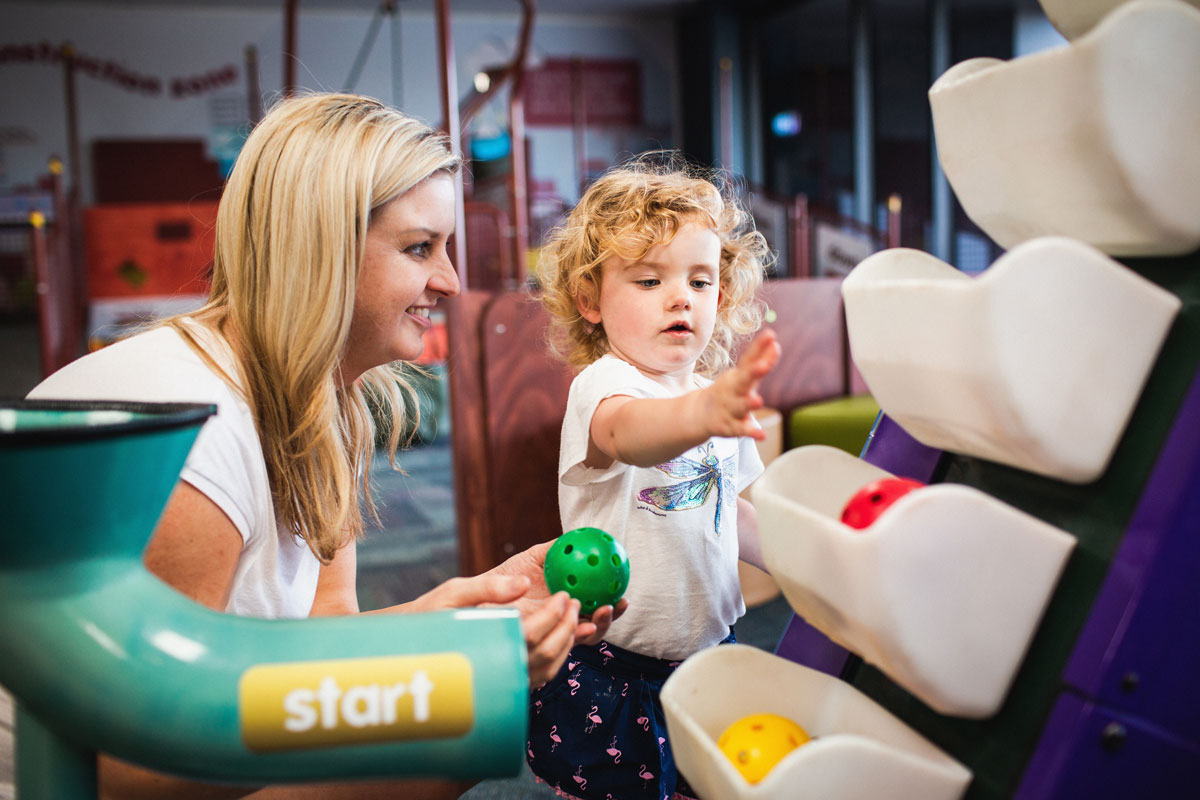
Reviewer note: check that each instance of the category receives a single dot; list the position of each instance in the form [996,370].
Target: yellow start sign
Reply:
[351,701]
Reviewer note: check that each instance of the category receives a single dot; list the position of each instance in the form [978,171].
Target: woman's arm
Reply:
[551,624]
[648,431]
[195,548]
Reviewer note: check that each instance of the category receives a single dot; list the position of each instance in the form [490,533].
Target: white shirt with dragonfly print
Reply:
[678,521]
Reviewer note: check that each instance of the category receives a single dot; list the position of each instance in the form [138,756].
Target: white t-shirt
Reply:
[276,575]
[677,521]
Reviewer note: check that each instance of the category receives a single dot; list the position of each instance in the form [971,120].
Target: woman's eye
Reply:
[420,250]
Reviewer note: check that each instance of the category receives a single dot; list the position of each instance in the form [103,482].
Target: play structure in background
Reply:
[1026,624]
[184,689]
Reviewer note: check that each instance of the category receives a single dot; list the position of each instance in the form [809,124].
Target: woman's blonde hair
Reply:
[290,233]
[631,208]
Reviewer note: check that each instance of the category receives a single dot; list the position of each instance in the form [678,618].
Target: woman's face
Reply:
[406,270]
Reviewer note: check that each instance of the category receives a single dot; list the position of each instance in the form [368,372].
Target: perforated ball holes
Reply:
[590,565]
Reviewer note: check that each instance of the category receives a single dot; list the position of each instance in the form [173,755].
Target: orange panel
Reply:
[144,250]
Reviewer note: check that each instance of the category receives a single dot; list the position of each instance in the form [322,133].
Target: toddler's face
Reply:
[659,312]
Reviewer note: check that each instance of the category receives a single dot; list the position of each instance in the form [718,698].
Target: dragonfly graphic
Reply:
[701,477]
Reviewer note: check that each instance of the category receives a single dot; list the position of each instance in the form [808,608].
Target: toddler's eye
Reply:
[648,282]
[701,283]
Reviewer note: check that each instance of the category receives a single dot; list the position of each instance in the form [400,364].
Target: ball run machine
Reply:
[101,655]
[1027,624]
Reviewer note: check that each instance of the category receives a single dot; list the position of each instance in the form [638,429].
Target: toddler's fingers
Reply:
[585,633]
[765,353]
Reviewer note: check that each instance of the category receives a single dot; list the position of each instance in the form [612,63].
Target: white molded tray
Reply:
[1095,140]
[943,592]
[1074,18]
[1037,363]
[860,750]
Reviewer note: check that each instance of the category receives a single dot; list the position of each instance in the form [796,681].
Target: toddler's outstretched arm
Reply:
[645,432]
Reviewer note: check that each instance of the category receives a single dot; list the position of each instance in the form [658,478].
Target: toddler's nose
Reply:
[680,299]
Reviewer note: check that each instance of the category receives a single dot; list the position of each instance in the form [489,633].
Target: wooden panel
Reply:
[808,321]
[153,171]
[609,88]
[468,433]
[527,397]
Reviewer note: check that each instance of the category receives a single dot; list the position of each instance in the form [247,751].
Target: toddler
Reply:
[649,283]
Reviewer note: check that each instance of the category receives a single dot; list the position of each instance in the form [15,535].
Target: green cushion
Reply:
[843,422]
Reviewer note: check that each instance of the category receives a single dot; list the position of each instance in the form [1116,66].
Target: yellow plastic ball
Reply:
[755,744]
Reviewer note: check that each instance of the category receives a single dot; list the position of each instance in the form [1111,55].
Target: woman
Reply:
[330,253]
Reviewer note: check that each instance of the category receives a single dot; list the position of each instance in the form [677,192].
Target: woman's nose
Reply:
[445,278]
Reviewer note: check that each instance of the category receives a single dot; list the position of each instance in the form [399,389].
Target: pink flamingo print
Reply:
[579,779]
[624,690]
[537,706]
[661,742]
[529,751]
[644,722]
[554,737]
[594,719]
[571,665]
[645,775]
[614,752]
[604,651]
[574,684]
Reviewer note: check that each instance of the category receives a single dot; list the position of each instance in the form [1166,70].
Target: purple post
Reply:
[1134,729]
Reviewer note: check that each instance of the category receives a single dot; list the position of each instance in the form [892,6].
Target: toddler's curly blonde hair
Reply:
[631,208]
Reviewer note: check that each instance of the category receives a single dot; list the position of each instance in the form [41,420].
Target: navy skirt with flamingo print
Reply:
[597,730]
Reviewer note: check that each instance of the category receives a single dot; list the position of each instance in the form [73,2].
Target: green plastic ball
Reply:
[590,565]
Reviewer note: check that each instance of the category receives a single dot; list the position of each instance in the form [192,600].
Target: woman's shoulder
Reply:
[156,365]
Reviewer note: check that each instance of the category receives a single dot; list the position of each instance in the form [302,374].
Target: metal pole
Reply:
[943,203]
[73,156]
[579,122]
[519,179]
[864,118]
[468,411]
[289,47]
[893,220]
[755,170]
[725,94]
[396,31]
[449,76]
[253,92]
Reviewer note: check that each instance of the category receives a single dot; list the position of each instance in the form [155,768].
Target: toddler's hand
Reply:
[728,403]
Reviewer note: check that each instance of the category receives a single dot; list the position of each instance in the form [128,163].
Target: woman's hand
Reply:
[486,589]
[531,564]
[545,618]
[551,624]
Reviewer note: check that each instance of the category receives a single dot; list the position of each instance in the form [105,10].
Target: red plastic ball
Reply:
[871,500]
